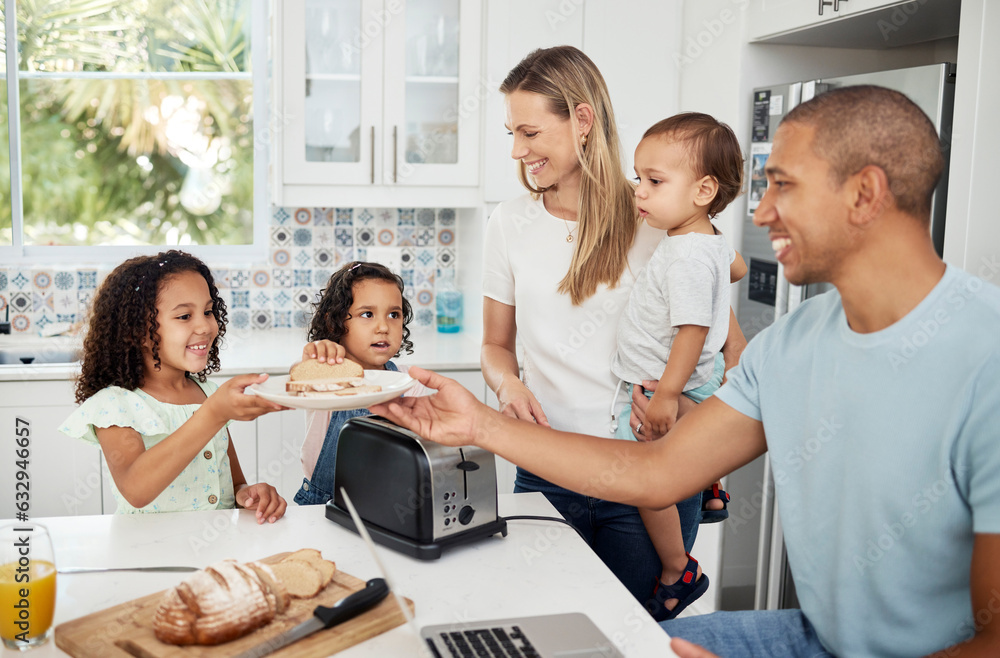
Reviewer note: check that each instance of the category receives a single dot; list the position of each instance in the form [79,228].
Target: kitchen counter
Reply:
[275,350]
[539,568]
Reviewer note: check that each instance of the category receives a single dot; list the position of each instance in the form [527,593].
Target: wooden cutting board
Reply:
[127,629]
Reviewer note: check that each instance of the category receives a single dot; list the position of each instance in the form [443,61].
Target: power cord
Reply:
[546,518]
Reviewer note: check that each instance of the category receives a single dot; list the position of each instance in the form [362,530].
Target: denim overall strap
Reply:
[319,489]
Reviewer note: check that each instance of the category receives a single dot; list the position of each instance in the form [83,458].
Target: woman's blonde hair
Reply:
[606,213]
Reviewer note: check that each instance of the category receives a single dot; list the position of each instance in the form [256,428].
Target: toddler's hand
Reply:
[324,351]
[661,414]
[264,498]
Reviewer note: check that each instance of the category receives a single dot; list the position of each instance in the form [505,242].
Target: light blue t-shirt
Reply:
[886,459]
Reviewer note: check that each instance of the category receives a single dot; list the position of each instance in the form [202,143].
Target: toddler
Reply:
[153,338]
[689,169]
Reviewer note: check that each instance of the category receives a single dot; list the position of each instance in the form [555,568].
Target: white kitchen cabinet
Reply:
[376,102]
[850,23]
[64,473]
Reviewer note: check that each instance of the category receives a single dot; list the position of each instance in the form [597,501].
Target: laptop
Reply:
[563,635]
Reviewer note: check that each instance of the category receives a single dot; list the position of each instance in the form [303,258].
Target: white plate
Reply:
[393,385]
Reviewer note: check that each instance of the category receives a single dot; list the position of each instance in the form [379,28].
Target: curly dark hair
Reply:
[123,315]
[333,308]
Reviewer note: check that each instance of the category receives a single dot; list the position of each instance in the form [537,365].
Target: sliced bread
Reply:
[301,579]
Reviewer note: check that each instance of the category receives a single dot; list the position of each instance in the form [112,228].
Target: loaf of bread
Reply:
[228,599]
[221,602]
[310,378]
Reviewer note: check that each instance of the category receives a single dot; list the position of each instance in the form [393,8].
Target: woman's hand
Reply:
[517,401]
[324,351]
[264,498]
[231,402]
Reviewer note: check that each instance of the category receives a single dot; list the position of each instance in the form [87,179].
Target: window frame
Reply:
[19,254]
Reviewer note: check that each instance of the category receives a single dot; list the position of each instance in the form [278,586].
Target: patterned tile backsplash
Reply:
[306,246]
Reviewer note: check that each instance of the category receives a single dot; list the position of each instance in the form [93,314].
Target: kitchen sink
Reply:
[20,351]
[33,356]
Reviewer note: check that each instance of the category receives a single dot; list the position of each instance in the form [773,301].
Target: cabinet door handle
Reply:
[823,3]
[395,152]
[373,155]
[836,4]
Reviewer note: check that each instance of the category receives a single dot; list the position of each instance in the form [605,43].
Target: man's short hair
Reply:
[868,125]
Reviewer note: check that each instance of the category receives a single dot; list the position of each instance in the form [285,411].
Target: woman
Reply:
[559,265]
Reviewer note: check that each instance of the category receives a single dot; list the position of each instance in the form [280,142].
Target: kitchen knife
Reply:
[324,617]
[103,569]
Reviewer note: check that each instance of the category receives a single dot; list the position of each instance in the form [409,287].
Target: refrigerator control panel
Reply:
[763,280]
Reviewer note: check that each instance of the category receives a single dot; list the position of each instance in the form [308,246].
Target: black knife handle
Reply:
[353,605]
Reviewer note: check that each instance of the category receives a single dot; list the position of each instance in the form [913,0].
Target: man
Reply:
[877,402]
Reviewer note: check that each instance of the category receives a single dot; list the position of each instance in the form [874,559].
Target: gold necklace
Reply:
[569,231]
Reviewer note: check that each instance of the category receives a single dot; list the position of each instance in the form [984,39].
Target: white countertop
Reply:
[273,351]
[539,568]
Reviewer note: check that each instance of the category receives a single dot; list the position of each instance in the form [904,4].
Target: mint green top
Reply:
[206,483]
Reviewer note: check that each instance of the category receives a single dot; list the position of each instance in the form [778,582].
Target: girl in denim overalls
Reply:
[362,315]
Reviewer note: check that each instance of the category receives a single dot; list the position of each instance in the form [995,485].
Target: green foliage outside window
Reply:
[124,139]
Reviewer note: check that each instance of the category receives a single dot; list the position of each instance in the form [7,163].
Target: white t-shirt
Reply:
[567,349]
[685,282]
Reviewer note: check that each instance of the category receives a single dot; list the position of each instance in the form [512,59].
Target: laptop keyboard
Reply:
[497,642]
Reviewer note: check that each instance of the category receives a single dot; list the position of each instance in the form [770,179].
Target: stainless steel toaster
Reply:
[414,496]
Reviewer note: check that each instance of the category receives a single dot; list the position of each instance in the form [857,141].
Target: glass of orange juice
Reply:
[27,585]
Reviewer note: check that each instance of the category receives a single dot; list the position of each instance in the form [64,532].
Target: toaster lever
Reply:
[468,466]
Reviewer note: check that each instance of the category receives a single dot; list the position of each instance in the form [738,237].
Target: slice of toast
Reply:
[315,558]
[301,579]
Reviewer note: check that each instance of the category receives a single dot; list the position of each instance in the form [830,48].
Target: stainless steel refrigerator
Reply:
[755,572]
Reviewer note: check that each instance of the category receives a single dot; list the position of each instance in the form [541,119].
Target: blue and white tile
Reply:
[322,217]
[280,217]
[281,257]
[386,218]
[424,317]
[261,319]
[302,216]
[424,237]
[446,237]
[239,298]
[281,278]
[221,278]
[21,323]
[446,217]
[407,258]
[19,281]
[344,236]
[303,299]
[364,236]
[65,280]
[282,320]
[425,257]
[344,216]
[426,217]
[261,299]
[239,279]
[302,237]
[445,257]
[323,258]
[321,277]
[366,217]
[324,237]
[86,279]
[407,216]
[282,299]
[301,319]
[261,279]
[3,280]
[240,319]
[281,236]
[41,279]
[303,257]
[42,302]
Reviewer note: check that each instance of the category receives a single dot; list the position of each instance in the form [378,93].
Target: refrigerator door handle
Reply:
[762,579]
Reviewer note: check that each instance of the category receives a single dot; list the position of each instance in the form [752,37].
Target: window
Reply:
[132,123]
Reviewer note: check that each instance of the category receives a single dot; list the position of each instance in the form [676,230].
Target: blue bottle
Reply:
[449,303]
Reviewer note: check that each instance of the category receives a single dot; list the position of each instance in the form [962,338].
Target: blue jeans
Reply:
[615,531]
[751,634]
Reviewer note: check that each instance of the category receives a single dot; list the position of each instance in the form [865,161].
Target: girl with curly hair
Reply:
[362,315]
[153,338]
